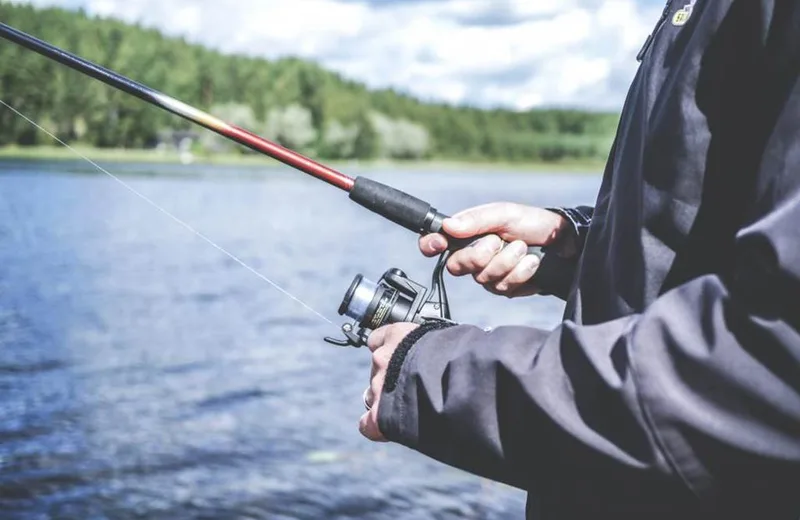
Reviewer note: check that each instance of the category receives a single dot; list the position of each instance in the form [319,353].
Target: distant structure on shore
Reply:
[180,141]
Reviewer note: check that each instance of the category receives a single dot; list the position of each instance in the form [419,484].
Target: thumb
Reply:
[489,218]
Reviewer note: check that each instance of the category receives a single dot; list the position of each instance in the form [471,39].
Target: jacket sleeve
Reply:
[700,392]
[556,273]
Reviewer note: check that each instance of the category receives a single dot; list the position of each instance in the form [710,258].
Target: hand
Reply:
[500,270]
[382,342]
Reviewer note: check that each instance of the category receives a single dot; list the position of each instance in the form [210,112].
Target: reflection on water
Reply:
[145,374]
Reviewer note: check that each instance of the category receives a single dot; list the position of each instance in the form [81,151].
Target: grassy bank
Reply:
[60,153]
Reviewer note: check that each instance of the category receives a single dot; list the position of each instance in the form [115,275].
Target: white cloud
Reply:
[513,53]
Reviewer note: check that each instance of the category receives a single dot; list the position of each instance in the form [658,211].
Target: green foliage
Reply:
[292,127]
[366,142]
[292,101]
[339,140]
[234,113]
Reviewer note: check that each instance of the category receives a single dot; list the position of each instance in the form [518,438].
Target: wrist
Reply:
[565,237]
[571,231]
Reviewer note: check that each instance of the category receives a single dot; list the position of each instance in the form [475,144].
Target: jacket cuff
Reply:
[580,219]
[400,353]
[393,405]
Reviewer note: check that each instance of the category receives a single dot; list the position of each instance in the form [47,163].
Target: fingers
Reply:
[503,263]
[524,270]
[501,270]
[509,270]
[389,335]
[373,391]
[474,259]
[509,221]
[496,217]
[368,425]
[432,244]
[377,338]
[383,342]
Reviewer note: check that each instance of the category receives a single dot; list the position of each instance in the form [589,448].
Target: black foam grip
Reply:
[393,204]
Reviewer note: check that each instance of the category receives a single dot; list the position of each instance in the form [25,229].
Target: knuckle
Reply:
[494,272]
[482,277]
[503,264]
[456,263]
[467,262]
[480,259]
[517,277]
[390,333]
[381,360]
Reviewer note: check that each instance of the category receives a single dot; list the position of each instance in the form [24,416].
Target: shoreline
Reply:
[60,153]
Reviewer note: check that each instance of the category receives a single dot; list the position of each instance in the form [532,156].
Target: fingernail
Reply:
[439,243]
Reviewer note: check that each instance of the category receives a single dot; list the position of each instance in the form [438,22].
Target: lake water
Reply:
[143,374]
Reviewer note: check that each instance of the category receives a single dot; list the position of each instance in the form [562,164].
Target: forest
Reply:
[291,101]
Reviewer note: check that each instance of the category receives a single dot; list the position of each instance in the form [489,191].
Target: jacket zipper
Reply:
[649,41]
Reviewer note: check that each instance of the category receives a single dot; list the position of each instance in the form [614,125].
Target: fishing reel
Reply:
[394,298]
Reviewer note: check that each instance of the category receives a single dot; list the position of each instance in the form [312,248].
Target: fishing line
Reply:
[167,213]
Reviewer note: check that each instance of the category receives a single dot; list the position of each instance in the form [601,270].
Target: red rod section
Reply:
[293,159]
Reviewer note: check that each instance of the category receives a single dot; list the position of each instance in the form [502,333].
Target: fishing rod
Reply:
[395,205]
[394,297]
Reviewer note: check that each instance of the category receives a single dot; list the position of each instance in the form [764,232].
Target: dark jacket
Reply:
[672,387]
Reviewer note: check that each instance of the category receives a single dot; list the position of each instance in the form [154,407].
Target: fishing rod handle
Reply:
[408,211]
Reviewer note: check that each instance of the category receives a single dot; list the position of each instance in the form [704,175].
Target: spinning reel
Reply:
[394,298]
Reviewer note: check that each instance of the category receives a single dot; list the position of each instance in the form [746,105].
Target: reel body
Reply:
[394,298]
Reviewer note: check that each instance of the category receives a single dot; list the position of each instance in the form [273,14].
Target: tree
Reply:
[302,105]
[401,138]
[235,113]
[339,141]
[365,145]
[292,127]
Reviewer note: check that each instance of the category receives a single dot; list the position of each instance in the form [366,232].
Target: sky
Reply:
[516,54]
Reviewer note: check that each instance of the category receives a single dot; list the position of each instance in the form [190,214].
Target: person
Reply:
[672,387]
